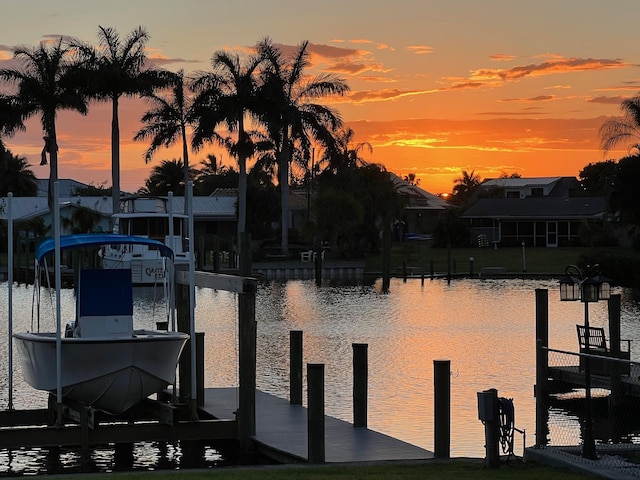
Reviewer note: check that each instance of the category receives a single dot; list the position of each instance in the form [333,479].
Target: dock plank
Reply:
[282,427]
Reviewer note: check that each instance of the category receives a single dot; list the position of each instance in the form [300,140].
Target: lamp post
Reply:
[587,287]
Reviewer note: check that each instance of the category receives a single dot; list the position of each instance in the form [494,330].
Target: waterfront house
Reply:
[539,212]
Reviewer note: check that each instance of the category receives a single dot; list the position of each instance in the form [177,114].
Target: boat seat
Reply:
[105,304]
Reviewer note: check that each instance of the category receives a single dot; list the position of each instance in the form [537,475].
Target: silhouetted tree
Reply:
[15,176]
[118,68]
[624,129]
[167,177]
[167,121]
[598,178]
[44,87]
[464,187]
[226,96]
[291,114]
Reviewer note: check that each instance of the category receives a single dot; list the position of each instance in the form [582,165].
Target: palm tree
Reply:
[291,116]
[43,87]
[344,155]
[167,177]
[227,96]
[622,129]
[10,117]
[118,68]
[15,175]
[167,122]
[464,186]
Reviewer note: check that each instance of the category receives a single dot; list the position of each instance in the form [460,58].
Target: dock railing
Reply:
[560,396]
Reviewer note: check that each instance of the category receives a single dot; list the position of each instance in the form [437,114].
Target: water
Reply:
[486,328]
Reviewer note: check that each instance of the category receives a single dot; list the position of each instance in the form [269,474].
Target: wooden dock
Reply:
[573,377]
[281,432]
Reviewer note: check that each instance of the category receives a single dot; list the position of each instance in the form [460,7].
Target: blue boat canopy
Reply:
[95,240]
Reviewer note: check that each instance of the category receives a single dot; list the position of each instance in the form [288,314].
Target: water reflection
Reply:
[486,328]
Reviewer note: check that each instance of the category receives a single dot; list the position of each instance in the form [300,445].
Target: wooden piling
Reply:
[617,393]
[295,367]
[315,413]
[541,388]
[318,265]
[360,384]
[247,341]
[386,259]
[442,408]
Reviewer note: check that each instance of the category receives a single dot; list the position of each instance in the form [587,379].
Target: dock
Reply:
[573,377]
[281,432]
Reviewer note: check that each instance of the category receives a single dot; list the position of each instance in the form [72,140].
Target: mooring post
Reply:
[317,263]
[360,383]
[200,368]
[471,260]
[541,388]
[616,368]
[386,259]
[431,266]
[488,412]
[295,367]
[216,254]
[315,413]
[247,341]
[183,323]
[442,408]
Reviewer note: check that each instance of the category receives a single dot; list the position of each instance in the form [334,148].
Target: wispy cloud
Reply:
[539,98]
[559,65]
[420,49]
[502,57]
[617,100]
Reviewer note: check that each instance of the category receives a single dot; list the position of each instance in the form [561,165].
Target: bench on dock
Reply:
[598,346]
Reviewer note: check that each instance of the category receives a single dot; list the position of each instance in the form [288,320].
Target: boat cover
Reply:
[95,240]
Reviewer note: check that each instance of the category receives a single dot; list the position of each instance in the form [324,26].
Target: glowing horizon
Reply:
[436,88]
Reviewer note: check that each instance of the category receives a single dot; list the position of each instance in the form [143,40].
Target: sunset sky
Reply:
[437,87]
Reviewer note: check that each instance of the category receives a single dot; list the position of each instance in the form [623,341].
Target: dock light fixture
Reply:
[587,287]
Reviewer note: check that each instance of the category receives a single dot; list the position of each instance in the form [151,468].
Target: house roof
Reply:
[204,208]
[520,182]
[555,186]
[418,198]
[538,208]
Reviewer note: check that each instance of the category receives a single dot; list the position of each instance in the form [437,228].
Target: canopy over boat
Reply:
[96,240]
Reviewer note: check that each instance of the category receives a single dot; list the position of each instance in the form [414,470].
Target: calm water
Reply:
[486,328]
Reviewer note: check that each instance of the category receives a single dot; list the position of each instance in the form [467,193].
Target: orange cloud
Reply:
[539,98]
[502,57]
[617,100]
[561,65]
[382,95]
[420,49]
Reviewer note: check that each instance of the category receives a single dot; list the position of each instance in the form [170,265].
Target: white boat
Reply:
[149,217]
[104,362]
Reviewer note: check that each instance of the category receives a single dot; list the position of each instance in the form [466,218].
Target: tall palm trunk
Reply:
[115,156]
[185,161]
[283,168]
[243,140]
[52,144]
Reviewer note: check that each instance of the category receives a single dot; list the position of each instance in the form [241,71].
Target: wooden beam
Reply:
[219,281]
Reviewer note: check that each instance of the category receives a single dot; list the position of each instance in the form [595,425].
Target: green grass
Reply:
[418,255]
[433,470]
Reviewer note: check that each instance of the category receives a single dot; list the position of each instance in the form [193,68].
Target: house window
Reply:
[537,192]
[512,194]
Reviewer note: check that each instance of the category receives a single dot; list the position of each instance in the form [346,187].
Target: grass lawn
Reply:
[417,255]
[436,470]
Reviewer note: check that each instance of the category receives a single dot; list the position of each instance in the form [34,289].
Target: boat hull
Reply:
[111,375]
